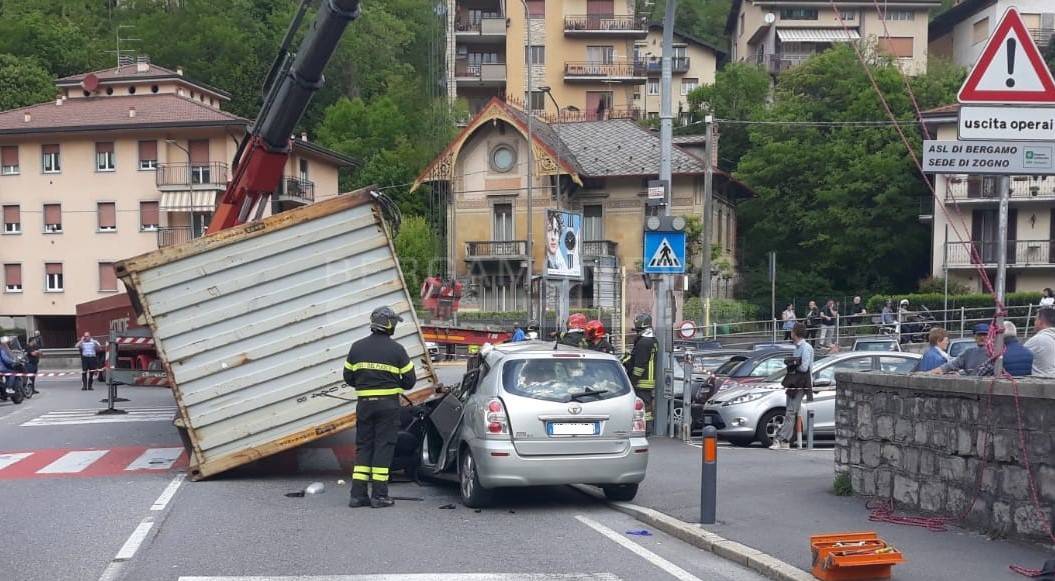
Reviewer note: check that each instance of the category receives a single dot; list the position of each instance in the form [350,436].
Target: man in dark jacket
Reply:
[33,348]
[813,322]
[575,335]
[1018,361]
[640,365]
[379,370]
[971,360]
[596,338]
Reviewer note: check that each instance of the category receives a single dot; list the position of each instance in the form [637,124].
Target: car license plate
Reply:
[572,428]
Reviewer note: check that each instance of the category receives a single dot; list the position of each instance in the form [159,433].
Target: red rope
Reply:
[882,510]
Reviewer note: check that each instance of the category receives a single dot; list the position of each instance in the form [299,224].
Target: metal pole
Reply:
[963,322]
[709,477]
[809,428]
[663,327]
[772,283]
[705,243]
[945,267]
[530,159]
[1001,272]
[686,396]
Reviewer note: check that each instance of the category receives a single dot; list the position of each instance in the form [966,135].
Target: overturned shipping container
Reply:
[253,325]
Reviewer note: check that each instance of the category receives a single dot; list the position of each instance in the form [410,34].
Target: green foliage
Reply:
[417,248]
[23,81]
[839,203]
[936,300]
[936,285]
[722,310]
[739,92]
[842,485]
[701,18]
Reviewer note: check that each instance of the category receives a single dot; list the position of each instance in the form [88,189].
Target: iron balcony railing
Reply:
[603,23]
[480,25]
[986,188]
[175,235]
[986,252]
[480,71]
[600,69]
[654,65]
[598,248]
[496,249]
[292,187]
[210,174]
[1042,36]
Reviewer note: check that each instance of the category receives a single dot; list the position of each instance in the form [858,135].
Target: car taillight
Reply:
[638,427]
[496,419]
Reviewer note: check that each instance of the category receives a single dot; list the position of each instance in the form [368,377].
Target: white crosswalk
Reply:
[156,459]
[73,462]
[426,577]
[91,416]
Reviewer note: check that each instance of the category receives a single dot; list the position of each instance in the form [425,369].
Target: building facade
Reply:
[695,63]
[780,34]
[122,162]
[592,55]
[965,234]
[603,168]
[959,33]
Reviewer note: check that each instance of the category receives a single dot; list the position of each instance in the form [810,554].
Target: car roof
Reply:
[848,354]
[536,349]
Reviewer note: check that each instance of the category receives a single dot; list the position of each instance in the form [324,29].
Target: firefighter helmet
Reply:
[383,320]
[577,321]
[642,322]
[594,330]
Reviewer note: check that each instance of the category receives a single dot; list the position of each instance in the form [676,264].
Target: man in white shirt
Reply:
[1043,343]
[89,349]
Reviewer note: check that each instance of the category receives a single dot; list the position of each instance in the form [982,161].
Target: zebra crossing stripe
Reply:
[9,459]
[73,462]
[90,416]
[156,459]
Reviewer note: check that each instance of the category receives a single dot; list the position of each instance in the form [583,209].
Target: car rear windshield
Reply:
[562,380]
[728,367]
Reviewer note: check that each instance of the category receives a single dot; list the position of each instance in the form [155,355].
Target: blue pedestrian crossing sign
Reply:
[664,252]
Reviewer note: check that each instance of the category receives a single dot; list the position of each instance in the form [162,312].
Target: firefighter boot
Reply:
[379,498]
[359,496]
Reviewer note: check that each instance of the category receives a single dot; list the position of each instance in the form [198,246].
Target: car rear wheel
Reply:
[769,426]
[474,495]
[620,492]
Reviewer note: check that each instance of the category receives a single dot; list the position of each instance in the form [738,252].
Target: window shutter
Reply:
[199,151]
[53,268]
[13,274]
[148,150]
[52,214]
[107,277]
[51,148]
[900,47]
[104,147]
[12,215]
[107,215]
[9,154]
[148,213]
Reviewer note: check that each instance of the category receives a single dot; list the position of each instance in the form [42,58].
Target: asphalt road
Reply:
[91,501]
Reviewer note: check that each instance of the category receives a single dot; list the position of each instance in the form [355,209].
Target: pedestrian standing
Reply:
[813,321]
[828,315]
[1047,298]
[788,316]
[33,351]
[798,384]
[89,349]
[518,333]
[380,370]
[857,314]
[640,364]
[1018,361]
[1042,344]
[936,356]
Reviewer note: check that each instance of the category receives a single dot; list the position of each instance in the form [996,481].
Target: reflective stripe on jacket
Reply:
[641,365]
[378,366]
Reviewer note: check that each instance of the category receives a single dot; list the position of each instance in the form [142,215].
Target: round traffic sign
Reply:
[687,329]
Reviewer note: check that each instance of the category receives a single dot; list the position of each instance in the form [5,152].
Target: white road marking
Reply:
[90,416]
[128,550]
[425,577]
[168,493]
[9,459]
[73,462]
[317,460]
[156,459]
[674,570]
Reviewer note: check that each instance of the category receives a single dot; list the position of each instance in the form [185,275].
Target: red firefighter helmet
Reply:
[577,321]
[594,330]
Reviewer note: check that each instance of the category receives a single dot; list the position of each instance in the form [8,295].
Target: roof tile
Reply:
[94,113]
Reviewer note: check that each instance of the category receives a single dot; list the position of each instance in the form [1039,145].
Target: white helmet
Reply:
[904,302]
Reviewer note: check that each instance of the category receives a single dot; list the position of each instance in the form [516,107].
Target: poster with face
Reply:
[563,244]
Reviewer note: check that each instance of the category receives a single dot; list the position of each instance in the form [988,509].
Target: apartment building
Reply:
[965,218]
[959,33]
[694,64]
[591,55]
[603,168]
[780,34]
[122,162]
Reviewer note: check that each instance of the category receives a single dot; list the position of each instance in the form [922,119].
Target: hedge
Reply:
[722,310]
[935,301]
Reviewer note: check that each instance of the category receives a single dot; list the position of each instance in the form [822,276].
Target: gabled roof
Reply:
[734,10]
[107,113]
[131,72]
[689,37]
[947,20]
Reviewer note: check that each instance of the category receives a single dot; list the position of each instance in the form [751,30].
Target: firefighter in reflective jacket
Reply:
[379,370]
[574,336]
[640,364]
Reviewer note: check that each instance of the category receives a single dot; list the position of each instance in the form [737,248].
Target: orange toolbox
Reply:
[849,556]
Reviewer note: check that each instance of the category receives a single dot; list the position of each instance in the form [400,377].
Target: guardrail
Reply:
[175,235]
[192,174]
[603,23]
[986,252]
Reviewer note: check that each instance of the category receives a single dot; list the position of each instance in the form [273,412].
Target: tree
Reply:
[702,18]
[417,249]
[23,81]
[839,202]
[739,92]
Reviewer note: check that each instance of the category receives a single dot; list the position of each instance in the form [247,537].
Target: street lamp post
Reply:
[530,156]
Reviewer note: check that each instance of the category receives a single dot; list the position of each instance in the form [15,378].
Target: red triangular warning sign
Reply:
[1011,69]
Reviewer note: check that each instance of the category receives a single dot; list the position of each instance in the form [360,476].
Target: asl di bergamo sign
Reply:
[988,157]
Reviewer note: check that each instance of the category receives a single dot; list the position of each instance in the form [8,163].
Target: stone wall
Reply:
[926,442]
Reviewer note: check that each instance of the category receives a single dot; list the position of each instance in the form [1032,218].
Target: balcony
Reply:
[591,248]
[983,189]
[174,236]
[480,74]
[295,190]
[191,176]
[496,250]
[1020,254]
[596,71]
[777,63]
[626,26]
[654,65]
[485,30]
[1042,36]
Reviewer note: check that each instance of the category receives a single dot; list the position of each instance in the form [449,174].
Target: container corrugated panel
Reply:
[253,325]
